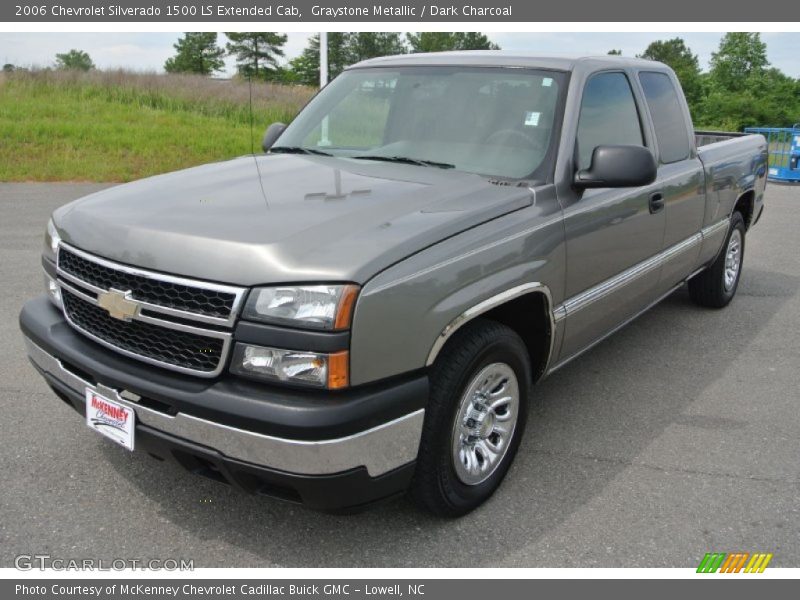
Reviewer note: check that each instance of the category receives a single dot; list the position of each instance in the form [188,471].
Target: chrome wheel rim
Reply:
[733,260]
[485,423]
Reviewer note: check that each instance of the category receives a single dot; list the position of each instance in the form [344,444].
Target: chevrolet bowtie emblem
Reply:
[118,304]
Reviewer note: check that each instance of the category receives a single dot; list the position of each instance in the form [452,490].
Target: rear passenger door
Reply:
[680,176]
[610,232]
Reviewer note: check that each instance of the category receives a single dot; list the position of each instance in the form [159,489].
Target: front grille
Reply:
[181,324]
[169,346]
[178,296]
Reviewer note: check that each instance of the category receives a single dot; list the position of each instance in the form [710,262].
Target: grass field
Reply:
[119,126]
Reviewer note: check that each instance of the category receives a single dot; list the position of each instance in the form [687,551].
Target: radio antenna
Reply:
[250,90]
[252,141]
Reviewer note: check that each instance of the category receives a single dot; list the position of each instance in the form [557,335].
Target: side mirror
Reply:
[618,166]
[271,136]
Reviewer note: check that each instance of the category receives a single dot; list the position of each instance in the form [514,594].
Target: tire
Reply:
[716,286]
[450,479]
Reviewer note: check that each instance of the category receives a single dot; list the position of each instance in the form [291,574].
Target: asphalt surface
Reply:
[677,436]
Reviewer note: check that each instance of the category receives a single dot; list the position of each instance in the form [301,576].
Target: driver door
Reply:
[610,233]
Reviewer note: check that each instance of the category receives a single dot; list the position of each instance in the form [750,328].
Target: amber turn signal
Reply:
[338,370]
[344,310]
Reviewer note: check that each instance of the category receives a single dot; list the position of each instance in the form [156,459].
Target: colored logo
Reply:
[736,562]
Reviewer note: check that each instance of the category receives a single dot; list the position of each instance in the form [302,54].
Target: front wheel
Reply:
[716,286]
[475,418]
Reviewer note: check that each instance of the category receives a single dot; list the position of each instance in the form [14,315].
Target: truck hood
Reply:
[283,218]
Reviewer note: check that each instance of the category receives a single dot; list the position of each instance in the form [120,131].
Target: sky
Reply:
[148,51]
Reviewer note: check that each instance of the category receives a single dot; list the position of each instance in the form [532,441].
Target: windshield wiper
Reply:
[298,150]
[408,161]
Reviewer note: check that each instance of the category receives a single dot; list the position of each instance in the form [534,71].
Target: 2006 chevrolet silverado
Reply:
[365,308]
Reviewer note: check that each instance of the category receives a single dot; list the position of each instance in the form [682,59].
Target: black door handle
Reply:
[656,202]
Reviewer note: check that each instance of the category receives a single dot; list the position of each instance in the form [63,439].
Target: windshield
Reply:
[491,121]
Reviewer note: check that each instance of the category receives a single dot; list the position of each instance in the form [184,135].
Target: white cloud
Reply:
[141,51]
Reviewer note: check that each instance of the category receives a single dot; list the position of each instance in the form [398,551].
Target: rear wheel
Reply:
[475,418]
[716,286]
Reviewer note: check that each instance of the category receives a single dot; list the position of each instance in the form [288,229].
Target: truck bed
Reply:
[733,163]
[705,138]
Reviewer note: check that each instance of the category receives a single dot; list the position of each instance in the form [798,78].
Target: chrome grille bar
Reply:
[237,293]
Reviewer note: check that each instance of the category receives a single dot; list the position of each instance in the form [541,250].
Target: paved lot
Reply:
[679,435]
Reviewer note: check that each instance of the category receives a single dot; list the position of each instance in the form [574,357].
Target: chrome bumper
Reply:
[380,449]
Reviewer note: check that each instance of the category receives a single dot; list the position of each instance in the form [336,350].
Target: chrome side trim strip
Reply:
[237,292]
[585,349]
[379,449]
[486,306]
[559,313]
[714,230]
[716,227]
[613,284]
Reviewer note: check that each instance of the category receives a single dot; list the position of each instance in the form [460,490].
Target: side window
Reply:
[608,116]
[665,108]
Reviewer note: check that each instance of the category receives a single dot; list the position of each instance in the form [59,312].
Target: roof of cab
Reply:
[499,58]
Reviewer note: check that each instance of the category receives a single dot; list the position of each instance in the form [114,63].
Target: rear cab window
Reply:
[666,111]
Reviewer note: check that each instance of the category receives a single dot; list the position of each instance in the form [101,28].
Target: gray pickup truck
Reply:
[364,309]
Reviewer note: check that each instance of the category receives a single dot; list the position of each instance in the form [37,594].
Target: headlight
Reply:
[51,241]
[312,306]
[292,366]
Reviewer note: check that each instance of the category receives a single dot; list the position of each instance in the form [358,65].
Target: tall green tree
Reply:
[474,40]
[740,60]
[339,54]
[742,91]
[772,99]
[676,54]
[430,41]
[74,60]
[257,53]
[369,44]
[196,53]
[306,66]
[442,41]
[344,49]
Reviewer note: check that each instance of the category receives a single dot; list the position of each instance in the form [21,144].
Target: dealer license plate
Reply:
[110,418]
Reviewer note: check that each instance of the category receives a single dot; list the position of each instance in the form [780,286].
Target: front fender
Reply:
[404,310]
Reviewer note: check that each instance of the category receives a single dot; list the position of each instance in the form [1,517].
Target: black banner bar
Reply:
[731,587]
[319,11]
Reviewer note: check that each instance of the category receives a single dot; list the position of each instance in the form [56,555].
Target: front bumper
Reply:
[342,449]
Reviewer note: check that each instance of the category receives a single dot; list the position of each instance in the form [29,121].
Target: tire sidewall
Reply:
[460,495]
[737,223]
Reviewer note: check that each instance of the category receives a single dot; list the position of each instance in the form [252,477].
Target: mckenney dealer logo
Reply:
[735,562]
[108,415]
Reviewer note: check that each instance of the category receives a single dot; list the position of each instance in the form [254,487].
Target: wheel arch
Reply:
[526,308]
[745,204]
